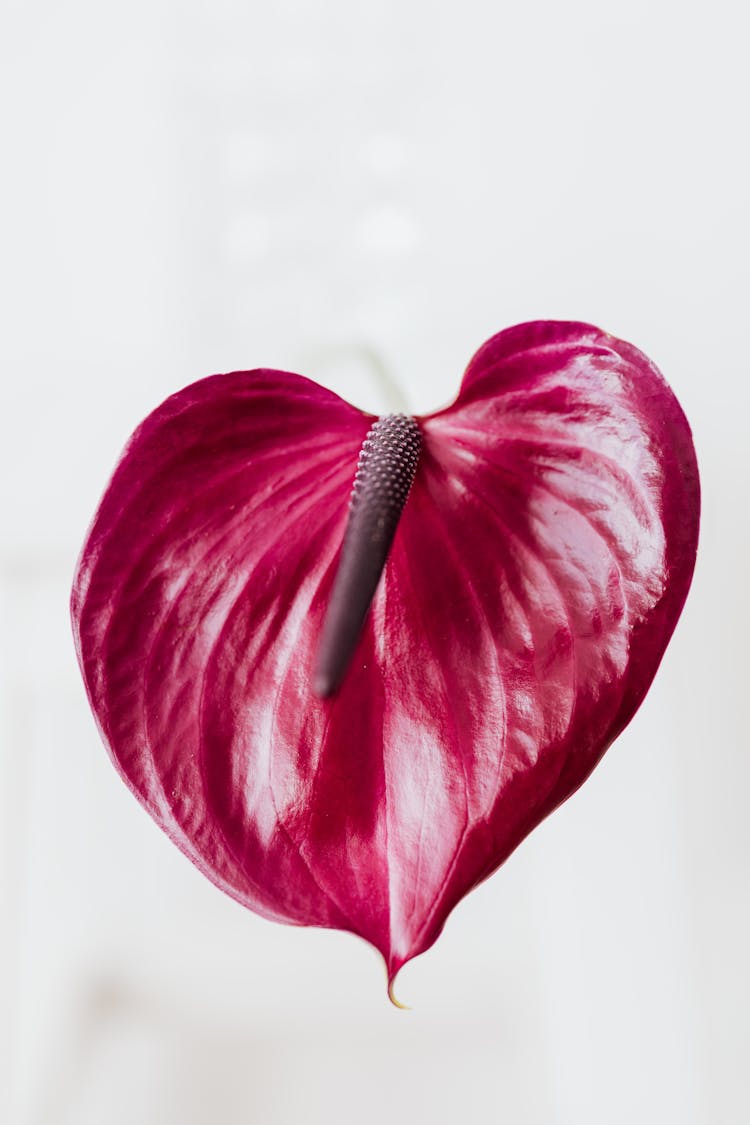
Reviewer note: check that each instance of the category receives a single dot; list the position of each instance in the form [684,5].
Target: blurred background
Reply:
[335,188]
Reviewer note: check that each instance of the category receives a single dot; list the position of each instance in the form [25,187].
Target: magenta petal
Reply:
[227,505]
[539,568]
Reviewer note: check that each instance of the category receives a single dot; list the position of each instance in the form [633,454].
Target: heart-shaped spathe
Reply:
[537,573]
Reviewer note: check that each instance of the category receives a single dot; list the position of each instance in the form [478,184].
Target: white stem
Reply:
[385,382]
[390,394]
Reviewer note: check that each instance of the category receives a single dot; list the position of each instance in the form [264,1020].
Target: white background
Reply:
[190,189]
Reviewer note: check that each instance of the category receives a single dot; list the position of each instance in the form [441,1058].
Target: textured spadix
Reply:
[537,572]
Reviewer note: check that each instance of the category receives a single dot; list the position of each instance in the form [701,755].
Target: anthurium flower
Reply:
[355,736]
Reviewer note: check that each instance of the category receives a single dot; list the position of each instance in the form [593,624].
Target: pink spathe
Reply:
[537,573]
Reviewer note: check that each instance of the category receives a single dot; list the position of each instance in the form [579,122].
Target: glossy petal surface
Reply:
[539,568]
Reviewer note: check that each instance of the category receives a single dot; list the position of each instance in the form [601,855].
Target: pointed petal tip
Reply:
[392,969]
[392,996]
